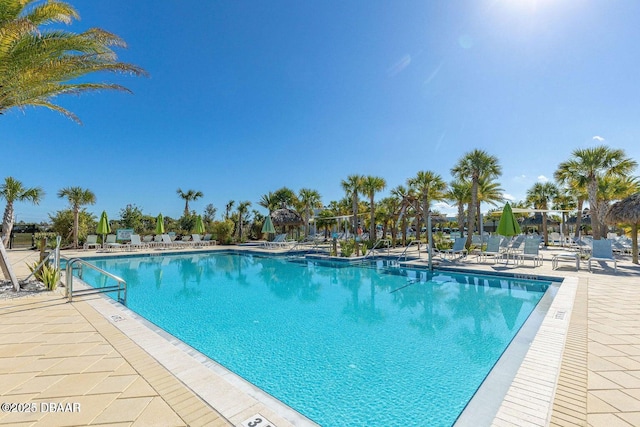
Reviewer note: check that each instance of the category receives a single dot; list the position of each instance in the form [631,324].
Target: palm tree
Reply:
[389,207]
[575,185]
[309,199]
[474,166]
[13,191]
[371,185]
[614,188]
[460,193]
[189,196]
[564,202]
[243,208]
[227,209]
[268,202]
[540,195]
[589,165]
[406,198]
[284,198]
[428,186]
[77,197]
[37,64]
[489,192]
[352,186]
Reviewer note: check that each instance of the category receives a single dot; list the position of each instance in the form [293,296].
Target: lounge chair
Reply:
[514,246]
[156,242]
[111,243]
[492,249]
[209,240]
[531,251]
[280,238]
[92,242]
[602,251]
[167,242]
[185,241]
[458,248]
[136,243]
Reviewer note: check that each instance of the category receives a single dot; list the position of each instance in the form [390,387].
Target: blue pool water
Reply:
[356,346]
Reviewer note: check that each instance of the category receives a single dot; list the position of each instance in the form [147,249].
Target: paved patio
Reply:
[99,355]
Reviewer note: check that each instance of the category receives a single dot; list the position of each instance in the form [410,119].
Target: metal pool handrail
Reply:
[121,287]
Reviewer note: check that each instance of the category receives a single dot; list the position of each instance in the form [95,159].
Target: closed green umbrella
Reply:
[103,225]
[268,227]
[199,225]
[508,225]
[160,224]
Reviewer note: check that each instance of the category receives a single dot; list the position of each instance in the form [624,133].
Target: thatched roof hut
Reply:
[627,211]
[286,217]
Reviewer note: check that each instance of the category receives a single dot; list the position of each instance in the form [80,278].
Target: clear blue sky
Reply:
[245,97]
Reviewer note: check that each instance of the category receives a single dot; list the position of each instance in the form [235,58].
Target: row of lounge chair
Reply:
[159,241]
[279,242]
[521,248]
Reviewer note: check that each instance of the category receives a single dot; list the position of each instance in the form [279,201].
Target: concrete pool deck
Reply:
[88,352]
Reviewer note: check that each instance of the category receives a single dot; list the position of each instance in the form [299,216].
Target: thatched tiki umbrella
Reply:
[627,211]
[285,217]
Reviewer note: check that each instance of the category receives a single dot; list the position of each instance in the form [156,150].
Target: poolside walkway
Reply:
[89,353]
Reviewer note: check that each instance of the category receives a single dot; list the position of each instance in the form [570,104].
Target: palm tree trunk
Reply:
[593,207]
[372,226]
[76,226]
[461,219]
[576,232]
[7,223]
[634,243]
[544,228]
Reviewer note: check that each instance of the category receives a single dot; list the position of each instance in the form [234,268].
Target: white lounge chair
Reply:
[209,240]
[280,238]
[136,243]
[167,242]
[458,248]
[531,251]
[492,249]
[602,251]
[111,243]
[92,242]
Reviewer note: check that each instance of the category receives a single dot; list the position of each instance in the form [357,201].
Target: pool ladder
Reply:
[121,287]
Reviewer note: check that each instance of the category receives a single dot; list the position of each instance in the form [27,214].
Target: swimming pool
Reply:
[343,345]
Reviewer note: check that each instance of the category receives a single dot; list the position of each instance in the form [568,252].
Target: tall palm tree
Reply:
[474,166]
[575,185]
[189,196]
[309,200]
[284,198]
[540,195]
[370,186]
[243,208]
[406,198]
[268,202]
[428,186]
[227,208]
[352,186]
[588,165]
[459,193]
[38,63]
[389,208]
[13,191]
[77,197]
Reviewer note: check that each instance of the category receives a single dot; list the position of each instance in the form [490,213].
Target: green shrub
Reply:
[347,247]
[222,231]
[47,274]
